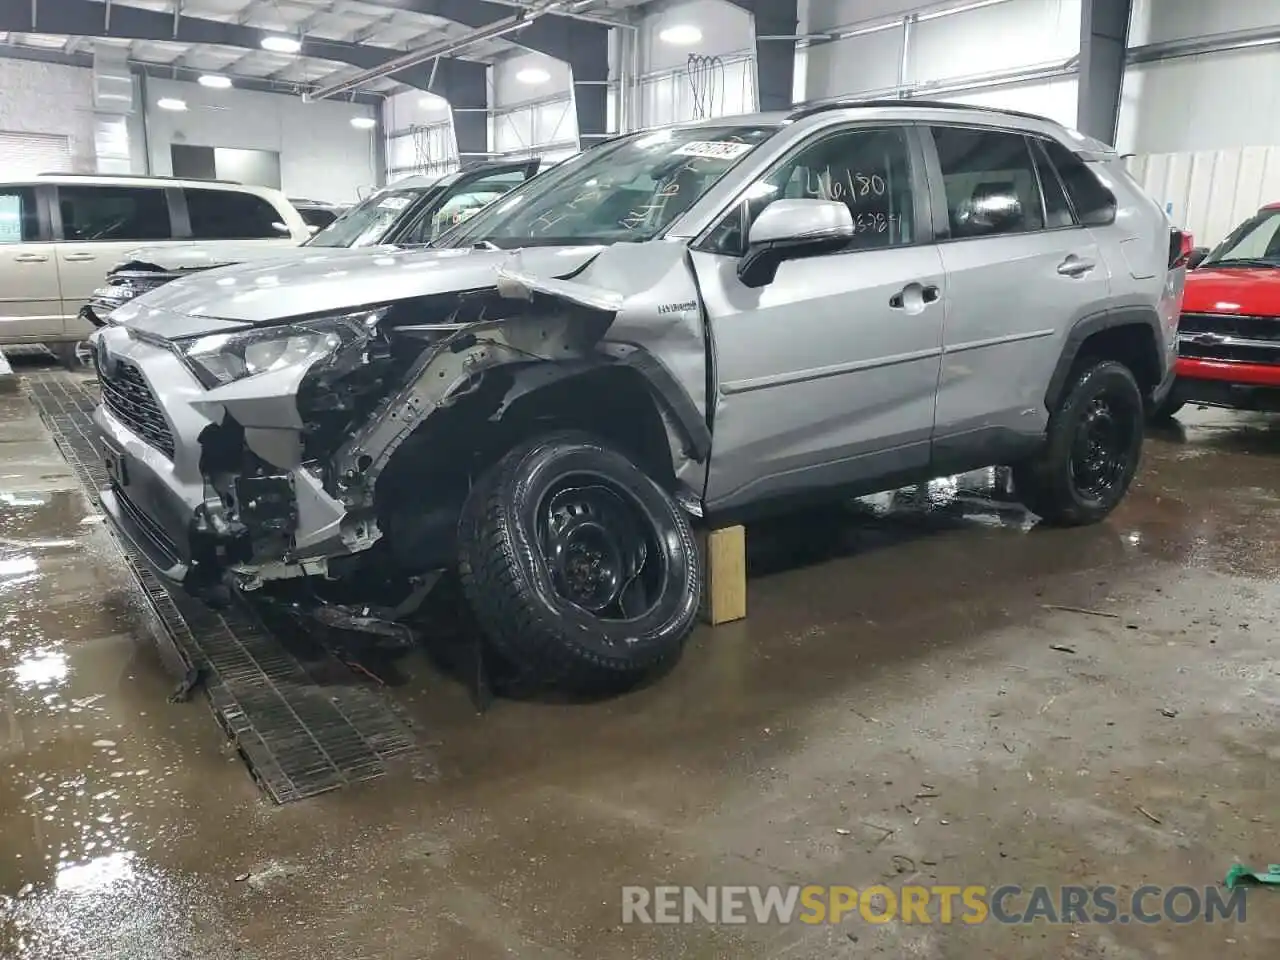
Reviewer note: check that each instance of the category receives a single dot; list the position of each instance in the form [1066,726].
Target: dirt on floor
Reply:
[929,691]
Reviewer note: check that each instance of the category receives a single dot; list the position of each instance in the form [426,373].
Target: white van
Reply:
[60,234]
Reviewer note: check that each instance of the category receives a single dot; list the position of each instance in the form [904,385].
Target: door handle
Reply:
[31,258]
[1075,266]
[79,257]
[915,295]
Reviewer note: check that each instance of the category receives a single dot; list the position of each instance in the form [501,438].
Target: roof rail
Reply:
[821,106]
[132,176]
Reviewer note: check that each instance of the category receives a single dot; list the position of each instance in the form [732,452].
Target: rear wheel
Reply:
[1092,448]
[581,570]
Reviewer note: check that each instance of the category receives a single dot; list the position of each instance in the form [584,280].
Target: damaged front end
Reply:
[341,482]
[323,461]
[125,283]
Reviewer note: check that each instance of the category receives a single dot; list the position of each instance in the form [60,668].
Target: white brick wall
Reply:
[50,98]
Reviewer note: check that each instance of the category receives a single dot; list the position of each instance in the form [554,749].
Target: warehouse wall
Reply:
[533,119]
[1205,130]
[1210,102]
[52,99]
[321,154]
[953,52]
[670,90]
[420,135]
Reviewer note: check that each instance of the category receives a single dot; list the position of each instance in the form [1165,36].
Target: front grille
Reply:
[127,395]
[1228,351]
[1249,328]
[1230,337]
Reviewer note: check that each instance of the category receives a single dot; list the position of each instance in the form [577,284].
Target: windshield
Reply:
[1256,242]
[367,222]
[629,190]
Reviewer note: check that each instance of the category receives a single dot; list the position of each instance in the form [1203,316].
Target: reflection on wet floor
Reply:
[891,640]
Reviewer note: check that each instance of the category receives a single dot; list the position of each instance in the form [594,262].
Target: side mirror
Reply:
[1197,257]
[787,229]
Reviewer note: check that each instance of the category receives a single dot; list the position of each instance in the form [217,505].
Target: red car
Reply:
[1229,331]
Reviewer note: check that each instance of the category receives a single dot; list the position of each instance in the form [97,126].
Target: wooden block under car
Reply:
[724,558]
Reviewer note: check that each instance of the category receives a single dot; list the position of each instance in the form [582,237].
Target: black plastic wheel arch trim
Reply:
[1086,327]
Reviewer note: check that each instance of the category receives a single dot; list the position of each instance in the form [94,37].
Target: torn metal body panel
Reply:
[296,468]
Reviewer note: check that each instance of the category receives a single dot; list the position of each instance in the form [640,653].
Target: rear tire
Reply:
[582,572]
[1092,448]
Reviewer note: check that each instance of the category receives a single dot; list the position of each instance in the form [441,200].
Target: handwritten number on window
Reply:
[847,188]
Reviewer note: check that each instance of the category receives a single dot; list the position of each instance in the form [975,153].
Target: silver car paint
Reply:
[816,378]
[340,280]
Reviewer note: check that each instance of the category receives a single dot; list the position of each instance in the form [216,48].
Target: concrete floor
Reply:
[903,645]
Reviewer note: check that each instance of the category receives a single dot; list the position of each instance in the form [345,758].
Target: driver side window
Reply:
[475,197]
[867,169]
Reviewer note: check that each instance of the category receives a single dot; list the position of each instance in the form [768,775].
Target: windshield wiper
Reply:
[485,245]
[1241,262]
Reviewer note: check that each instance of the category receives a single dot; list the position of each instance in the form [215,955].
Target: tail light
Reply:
[1181,243]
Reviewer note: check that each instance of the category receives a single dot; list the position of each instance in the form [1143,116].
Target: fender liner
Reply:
[1086,327]
[695,436]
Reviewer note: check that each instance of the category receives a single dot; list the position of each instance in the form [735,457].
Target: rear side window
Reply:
[19,219]
[1095,205]
[114,213]
[228,215]
[990,182]
[1057,209]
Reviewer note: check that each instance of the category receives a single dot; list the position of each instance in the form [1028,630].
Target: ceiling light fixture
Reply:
[533,75]
[364,123]
[214,81]
[682,34]
[171,103]
[278,44]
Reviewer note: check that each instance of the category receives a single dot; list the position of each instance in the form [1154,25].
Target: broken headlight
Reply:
[221,358]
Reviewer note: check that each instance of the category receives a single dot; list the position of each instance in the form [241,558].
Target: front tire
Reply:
[1092,448]
[582,572]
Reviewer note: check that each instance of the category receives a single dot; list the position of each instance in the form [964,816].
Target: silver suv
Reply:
[711,321]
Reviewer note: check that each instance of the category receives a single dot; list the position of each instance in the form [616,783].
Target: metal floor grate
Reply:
[299,737]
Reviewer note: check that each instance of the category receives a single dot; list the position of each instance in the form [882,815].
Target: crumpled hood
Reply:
[1246,290]
[332,282]
[196,256]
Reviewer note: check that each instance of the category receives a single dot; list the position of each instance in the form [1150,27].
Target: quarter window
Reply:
[229,215]
[19,220]
[990,182]
[114,213]
[868,170]
[1095,204]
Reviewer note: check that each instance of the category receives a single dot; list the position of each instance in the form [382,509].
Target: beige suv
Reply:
[60,234]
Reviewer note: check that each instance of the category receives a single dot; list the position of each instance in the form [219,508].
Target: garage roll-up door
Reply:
[24,155]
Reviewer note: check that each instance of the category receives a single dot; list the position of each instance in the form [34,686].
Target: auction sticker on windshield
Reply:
[713,149]
[394,203]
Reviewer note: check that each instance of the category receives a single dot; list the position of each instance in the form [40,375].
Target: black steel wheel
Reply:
[1100,452]
[1091,451]
[581,570]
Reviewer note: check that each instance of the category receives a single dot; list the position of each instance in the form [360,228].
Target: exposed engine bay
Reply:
[338,492]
